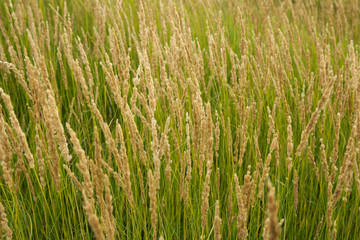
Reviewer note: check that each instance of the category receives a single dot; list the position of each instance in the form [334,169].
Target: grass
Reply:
[239,69]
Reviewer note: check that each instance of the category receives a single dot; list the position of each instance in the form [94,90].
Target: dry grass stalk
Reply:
[153,207]
[242,214]
[40,159]
[230,204]
[96,168]
[56,126]
[217,136]
[324,163]
[347,168]
[4,223]
[110,227]
[125,163]
[314,117]
[272,227]
[155,151]
[296,186]
[266,167]
[92,218]
[16,126]
[83,164]
[188,160]
[6,155]
[73,177]
[166,149]
[20,76]
[205,199]
[290,144]
[217,221]
[319,228]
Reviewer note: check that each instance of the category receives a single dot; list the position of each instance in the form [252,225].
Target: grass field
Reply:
[179,119]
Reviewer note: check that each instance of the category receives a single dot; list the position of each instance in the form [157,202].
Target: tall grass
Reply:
[179,119]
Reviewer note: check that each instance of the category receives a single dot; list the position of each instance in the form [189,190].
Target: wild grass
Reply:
[179,119]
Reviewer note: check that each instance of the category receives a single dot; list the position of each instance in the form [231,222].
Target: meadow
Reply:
[179,119]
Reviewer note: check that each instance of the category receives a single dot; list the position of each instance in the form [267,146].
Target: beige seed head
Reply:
[217,221]
[4,223]
[153,205]
[272,227]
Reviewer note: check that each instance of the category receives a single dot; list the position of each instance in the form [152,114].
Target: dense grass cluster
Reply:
[206,119]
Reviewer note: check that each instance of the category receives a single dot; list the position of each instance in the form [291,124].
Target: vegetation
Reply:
[203,119]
